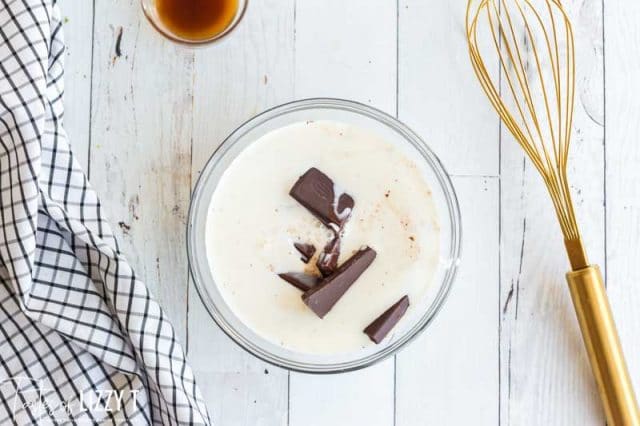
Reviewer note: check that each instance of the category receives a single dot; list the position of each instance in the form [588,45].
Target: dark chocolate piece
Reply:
[306,250]
[382,325]
[322,298]
[300,280]
[327,262]
[316,192]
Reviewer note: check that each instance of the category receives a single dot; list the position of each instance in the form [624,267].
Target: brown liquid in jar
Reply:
[196,19]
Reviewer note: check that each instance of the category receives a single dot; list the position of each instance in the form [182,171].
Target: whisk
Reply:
[530,81]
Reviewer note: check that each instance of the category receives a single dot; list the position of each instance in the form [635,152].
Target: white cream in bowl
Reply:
[253,222]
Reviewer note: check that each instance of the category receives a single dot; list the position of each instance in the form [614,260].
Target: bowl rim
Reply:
[195,43]
[453,208]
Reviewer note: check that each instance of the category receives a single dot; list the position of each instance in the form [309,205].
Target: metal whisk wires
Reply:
[522,52]
[530,83]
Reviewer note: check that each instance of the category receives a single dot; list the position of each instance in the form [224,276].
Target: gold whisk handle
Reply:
[603,346]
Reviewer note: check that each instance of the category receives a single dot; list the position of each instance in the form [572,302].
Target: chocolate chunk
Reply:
[327,262]
[318,194]
[306,250]
[300,280]
[322,298]
[382,325]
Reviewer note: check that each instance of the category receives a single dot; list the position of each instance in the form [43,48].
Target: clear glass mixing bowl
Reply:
[351,113]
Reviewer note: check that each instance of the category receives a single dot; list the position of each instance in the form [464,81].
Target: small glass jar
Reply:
[150,8]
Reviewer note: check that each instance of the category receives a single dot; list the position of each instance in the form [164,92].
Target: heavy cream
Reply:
[253,223]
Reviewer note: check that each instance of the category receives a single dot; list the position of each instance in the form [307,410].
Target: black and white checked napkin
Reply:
[81,339]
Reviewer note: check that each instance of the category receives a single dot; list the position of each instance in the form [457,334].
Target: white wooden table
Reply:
[506,348]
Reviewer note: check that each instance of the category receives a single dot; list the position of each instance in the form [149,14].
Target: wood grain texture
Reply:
[449,375]
[439,95]
[77,18]
[363,397]
[545,376]
[622,44]
[456,362]
[155,113]
[354,58]
[233,81]
[141,147]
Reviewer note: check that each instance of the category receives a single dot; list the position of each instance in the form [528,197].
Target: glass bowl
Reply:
[151,13]
[346,112]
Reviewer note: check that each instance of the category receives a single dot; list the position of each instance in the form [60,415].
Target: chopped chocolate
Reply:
[382,325]
[327,262]
[306,250]
[304,282]
[322,297]
[318,194]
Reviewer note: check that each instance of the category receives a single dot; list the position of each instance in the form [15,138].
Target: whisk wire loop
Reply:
[535,67]
[531,84]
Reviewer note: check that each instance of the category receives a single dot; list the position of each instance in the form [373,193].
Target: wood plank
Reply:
[363,397]
[353,57]
[454,363]
[621,45]
[77,18]
[233,81]
[441,99]
[141,147]
[545,376]
[439,96]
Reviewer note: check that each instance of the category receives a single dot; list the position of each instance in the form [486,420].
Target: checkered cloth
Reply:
[81,339]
